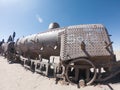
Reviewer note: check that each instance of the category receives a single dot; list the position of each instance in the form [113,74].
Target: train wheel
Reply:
[79,69]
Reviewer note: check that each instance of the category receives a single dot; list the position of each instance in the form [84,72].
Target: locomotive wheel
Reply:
[76,63]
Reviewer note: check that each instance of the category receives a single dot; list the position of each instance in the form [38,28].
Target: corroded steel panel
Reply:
[45,44]
[92,37]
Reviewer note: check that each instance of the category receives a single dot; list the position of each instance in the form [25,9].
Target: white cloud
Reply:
[40,20]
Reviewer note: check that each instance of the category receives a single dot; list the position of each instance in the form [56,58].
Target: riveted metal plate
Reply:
[94,37]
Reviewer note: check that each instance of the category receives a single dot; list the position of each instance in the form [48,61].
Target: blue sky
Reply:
[27,17]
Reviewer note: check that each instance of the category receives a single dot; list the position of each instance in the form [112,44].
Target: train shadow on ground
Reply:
[113,80]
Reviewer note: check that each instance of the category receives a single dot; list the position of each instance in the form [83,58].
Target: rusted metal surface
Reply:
[80,71]
[45,44]
[85,41]
[80,48]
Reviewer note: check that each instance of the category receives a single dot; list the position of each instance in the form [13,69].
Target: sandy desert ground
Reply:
[15,77]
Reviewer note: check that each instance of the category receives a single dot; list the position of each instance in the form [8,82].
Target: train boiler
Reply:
[44,44]
[76,54]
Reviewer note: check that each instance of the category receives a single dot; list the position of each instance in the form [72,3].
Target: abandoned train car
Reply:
[75,54]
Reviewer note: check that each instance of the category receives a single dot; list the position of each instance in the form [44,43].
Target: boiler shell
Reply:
[45,44]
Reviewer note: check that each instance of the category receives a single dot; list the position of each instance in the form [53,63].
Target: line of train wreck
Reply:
[79,54]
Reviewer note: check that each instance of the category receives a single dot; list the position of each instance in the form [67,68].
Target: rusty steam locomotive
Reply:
[75,54]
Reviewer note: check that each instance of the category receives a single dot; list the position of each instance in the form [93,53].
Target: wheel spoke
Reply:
[74,71]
